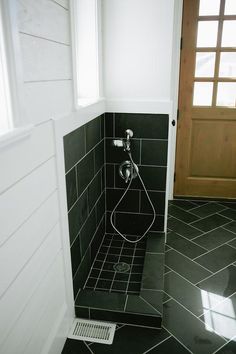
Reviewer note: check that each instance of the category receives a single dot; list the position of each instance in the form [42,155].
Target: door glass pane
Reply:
[228,35]
[230,7]
[207,33]
[209,7]
[205,64]
[202,94]
[227,64]
[226,94]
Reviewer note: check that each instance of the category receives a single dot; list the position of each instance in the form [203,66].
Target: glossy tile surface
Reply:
[191,289]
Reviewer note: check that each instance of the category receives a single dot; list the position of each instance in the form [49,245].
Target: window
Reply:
[13,122]
[215,60]
[5,106]
[84,18]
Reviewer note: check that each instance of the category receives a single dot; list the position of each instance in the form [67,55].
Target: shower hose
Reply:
[134,166]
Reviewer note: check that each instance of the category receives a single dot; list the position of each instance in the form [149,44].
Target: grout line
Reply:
[178,340]
[66,172]
[173,249]
[156,345]
[88,347]
[99,275]
[89,214]
[173,217]
[213,308]
[213,249]
[228,229]
[222,346]
[85,190]
[231,245]
[89,246]
[193,314]
[126,300]
[188,281]
[218,271]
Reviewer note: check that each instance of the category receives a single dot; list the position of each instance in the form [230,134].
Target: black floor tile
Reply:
[132,340]
[184,292]
[181,214]
[183,229]
[73,346]
[190,330]
[184,246]
[183,204]
[154,298]
[214,238]
[232,243]
[185,267]
[218,258]
[137,305]
[231,226]
[211,222]
[229,213]
[229,348]
[169,346]
[222,283]
[222,318]
[207,209]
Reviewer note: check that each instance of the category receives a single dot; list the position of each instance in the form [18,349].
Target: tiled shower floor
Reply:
[200,288]
[114,250]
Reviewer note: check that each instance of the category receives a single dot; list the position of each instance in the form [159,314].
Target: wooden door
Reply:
[206,135]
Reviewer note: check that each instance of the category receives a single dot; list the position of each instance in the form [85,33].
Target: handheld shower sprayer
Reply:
[128,170]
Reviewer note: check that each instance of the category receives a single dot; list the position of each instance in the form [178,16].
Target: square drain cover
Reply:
[92,331]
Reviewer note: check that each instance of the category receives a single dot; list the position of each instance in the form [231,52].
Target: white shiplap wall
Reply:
[32,284]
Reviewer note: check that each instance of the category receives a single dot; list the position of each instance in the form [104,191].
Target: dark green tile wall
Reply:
[94,186]
[149,148]
[84,165]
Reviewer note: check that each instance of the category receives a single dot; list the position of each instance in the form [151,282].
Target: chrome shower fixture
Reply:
[125,143]
[128,171]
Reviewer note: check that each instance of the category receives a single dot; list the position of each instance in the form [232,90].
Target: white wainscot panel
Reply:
[31,330]
[27,239]
[48,99]
[20,158]
[20,201]
[45,19]
[64,3]
[45,60]
[17,298]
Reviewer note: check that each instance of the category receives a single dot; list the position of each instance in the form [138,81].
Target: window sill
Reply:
[85,102]
[15,135]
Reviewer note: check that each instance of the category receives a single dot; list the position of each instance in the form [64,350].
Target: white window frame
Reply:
[79,101]
[19,125]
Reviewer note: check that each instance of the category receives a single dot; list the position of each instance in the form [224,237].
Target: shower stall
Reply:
[115,169]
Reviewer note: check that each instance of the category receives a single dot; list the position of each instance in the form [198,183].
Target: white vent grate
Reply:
[92,331]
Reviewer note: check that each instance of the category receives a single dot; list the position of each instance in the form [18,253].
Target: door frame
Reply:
[175,77]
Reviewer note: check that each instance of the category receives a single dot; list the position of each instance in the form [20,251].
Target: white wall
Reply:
[137,38]
[33,298]
[141,40]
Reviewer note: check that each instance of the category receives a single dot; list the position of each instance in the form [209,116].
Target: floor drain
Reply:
[121,267]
